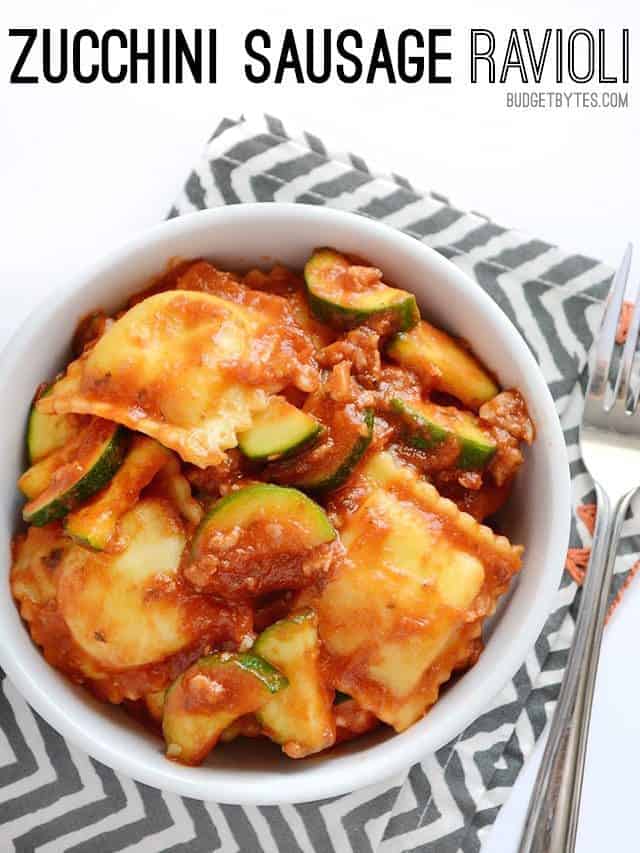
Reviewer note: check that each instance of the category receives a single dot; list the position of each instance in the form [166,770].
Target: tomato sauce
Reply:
[265,557]
[240,582]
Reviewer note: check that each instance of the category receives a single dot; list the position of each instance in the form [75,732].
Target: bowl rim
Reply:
[400,751]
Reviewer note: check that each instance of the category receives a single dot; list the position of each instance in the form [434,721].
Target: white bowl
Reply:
[537,516]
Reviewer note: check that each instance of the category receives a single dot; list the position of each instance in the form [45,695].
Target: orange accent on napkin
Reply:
[578,558]
[577,562]
[633,571]
[587,515]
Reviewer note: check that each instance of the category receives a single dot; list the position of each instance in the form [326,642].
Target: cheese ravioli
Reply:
[122,609]
[171,367]
[424,574]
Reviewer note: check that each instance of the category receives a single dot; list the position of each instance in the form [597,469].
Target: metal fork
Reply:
[610,446]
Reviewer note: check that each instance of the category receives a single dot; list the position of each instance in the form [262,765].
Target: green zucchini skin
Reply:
[240,508]
[419,432]
[428,425]
[281,431]
[337,316]
[191,734]
[94,524]
[474,455]
[53,504]
[272,679]
[341,697]
[334,309]
[46,433]
[326,481]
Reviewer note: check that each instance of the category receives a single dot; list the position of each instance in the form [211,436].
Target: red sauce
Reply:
[269,555]
[231,587]
[214,625]
[344,426]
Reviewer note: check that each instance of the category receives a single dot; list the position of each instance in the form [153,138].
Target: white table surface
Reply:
[84,167]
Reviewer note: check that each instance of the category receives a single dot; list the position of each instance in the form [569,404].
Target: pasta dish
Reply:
[264,505]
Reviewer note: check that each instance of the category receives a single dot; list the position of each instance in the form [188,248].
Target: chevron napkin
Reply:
[54,797]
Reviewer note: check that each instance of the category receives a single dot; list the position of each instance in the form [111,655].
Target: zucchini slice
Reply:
[281,430]
[428,425]
[459,371]
[299,717]
[46,433]
[94,524]
[90,463]
[334,300]
[337,470]
[258,540]
[209,696]
[265,502]
[328,465]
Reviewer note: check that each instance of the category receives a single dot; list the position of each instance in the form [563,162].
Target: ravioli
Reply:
[172,367]
[36,556]
[118,592]
[123,609]
[424,574]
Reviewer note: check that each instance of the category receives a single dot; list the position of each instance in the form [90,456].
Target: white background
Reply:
[84,167]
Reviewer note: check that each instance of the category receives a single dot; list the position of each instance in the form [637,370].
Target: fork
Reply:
[610,447]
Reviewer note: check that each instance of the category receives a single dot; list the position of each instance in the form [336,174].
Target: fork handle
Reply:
[552,818]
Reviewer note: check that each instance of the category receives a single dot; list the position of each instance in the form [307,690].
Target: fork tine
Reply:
[634,389]
[605,340]
[623,379]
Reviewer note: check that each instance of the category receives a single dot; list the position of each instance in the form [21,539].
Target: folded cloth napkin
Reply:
[54,797]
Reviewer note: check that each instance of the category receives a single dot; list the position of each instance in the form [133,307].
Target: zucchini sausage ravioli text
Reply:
[256,506]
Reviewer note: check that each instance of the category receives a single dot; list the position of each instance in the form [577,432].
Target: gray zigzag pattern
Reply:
[551,298]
